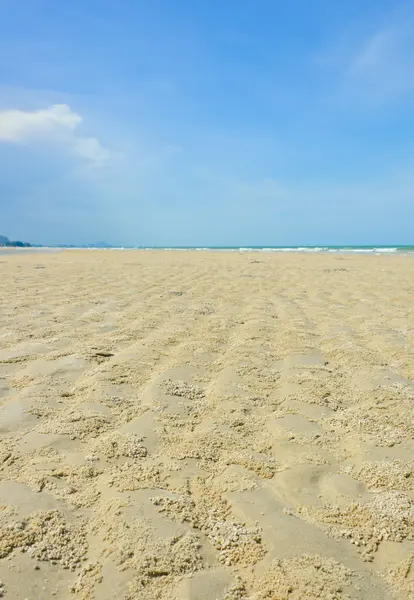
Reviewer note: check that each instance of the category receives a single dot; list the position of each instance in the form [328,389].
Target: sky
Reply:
[248,122]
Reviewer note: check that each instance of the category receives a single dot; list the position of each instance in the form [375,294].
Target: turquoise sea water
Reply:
[343,249]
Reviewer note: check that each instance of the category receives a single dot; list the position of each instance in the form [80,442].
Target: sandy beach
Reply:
[206,426]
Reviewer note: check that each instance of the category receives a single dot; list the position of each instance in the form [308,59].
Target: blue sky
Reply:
[202,123]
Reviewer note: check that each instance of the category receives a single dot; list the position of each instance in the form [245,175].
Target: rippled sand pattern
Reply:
[206,426]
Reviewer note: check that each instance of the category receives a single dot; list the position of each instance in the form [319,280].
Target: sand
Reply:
[206,426]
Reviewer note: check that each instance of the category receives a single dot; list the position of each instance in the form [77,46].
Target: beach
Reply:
[206,426]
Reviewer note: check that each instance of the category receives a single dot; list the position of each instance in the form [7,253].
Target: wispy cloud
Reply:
[56,124]
[373,53]
[91,149]
[384,62]
[374,67]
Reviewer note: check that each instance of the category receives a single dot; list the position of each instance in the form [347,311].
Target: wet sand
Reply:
[206,426]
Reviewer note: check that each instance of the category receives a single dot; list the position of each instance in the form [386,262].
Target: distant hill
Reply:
[4,241]
[102,245]
[99,245]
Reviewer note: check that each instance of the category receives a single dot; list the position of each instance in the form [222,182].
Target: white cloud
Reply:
[18,125]
[57,123]
[92,149]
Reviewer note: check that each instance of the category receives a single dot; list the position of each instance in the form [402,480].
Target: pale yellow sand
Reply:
[202,426]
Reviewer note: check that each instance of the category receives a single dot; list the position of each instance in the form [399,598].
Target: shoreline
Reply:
[327,250]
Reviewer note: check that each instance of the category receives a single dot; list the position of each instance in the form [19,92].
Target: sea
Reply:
[306,249]
[311,249]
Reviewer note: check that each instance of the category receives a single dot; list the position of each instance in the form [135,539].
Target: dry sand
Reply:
[206,426]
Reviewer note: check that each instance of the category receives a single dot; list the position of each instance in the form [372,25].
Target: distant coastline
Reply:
[5,242]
